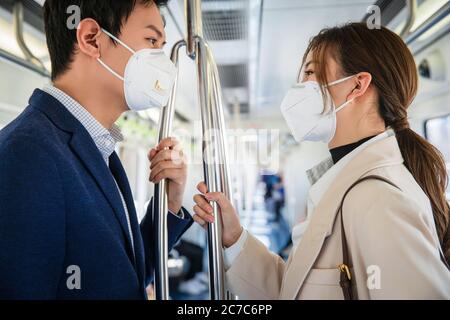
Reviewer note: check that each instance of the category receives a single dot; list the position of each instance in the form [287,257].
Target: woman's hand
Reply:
[168,162]
[232,228]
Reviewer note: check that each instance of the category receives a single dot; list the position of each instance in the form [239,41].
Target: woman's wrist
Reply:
[233,237]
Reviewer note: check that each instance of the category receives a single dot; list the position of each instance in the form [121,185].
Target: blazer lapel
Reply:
[381,153]
[122,181]
[84,147]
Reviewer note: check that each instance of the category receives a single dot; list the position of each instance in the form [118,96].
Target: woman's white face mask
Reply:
[303,107]
[148,79]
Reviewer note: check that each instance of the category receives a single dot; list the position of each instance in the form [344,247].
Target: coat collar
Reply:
[84,147]
[382,153]
[325,173]
[104,139]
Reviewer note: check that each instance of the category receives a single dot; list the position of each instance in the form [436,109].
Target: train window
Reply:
[437,131]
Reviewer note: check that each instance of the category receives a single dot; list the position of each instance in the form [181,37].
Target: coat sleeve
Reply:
[256,273]
[397,245]
[32,222]
[177,227]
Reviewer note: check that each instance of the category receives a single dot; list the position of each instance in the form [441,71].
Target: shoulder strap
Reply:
[346,276]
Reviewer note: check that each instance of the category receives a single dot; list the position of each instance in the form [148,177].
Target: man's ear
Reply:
[362,82]
[88,37]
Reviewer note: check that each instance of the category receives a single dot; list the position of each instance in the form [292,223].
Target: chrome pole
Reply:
[215,166]
[214,144]
[211,170]
[221,128]
[18,30]
[437,17]
[411,6]
[194,27]
[224,167]
[160,201]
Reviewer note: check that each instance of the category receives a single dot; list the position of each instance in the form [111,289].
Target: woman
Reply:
[355,88]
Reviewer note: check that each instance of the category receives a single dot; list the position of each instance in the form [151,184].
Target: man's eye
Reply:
[153,41]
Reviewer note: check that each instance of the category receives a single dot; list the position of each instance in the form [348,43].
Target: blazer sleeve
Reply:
[32,222]
[177,227]
[256,273]
[397,243]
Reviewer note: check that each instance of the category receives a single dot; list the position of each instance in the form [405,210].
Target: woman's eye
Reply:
[309,73]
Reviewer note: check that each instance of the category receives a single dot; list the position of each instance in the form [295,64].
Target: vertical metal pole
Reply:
[224,167]
[160,202]
[221,127]
[216,170]
[211,171]
[194,26]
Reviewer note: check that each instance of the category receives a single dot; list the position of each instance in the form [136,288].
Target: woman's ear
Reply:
[362,82]
[88,37]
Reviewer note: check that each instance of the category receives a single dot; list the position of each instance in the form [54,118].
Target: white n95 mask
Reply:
[303,108]
[148,79]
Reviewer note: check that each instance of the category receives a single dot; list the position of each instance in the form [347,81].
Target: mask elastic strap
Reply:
[119,41]
[110,70]
[339,81]
[108,67]
[343,105]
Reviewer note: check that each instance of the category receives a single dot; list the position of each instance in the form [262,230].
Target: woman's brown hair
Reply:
[384,55]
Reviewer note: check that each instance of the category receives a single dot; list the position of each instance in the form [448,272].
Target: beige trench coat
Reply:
[391,235]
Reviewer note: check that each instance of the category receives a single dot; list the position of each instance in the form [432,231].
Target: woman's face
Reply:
[340,93]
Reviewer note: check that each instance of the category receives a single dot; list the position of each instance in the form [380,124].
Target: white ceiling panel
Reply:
[287,26]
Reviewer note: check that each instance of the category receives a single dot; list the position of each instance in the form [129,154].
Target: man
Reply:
[68,225]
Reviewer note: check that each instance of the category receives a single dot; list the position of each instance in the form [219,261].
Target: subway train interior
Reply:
[236,61]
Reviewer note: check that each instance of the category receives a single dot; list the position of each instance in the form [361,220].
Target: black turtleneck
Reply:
[340,152]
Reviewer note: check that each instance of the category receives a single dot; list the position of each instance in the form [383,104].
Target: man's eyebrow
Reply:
[160,34]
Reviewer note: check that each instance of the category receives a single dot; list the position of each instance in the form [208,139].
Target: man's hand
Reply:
[167,161]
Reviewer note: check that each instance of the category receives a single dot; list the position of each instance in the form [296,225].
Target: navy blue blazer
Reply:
[63,229]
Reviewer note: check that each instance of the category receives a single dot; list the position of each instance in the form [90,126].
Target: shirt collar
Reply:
[104,139]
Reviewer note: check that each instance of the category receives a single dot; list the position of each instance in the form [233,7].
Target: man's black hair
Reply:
[61,40]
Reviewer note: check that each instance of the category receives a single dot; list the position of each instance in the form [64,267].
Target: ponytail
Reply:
[428,167]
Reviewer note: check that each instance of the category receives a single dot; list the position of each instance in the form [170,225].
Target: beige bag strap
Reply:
[346,276]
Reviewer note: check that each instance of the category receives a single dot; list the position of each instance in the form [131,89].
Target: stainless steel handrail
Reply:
[224,166]
[24,63]
[411,6]
[221,127]
[211,169]
[18,30]
[194,25]
[160,201]
[215,166]
[442,13]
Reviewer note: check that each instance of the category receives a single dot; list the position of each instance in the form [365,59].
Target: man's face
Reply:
[144,29]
